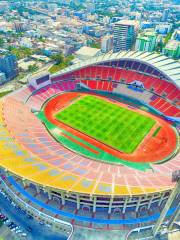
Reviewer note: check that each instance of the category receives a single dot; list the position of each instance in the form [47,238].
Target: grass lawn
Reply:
[109,123]
[2,94]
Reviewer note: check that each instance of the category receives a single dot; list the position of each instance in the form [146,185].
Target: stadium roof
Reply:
[168,67]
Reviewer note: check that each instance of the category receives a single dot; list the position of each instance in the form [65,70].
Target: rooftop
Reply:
[167,66]
[88,51]
[127,22]
[172,45]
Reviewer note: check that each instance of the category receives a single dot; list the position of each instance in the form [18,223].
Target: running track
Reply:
[151,149]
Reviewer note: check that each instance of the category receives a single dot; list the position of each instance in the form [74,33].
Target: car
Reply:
[17,228]
[29,229]
[7,221]
[23,234]
[10,224]
[48,225]
[41,223]
[18,231]
[13,204]
[12,227]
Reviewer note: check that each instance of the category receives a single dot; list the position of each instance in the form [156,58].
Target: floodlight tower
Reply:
[173,195]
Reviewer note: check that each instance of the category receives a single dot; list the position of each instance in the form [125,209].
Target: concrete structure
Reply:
[172,49]
[23,64]
[176,35]
[4,6]
[146,42]
[165,15]
[85,53]
[107,43]
[163,28]
[19,26]
[26,42]
[8,65]
[2,78]
[171,198]
[146,24]
[39,80]
[124,34]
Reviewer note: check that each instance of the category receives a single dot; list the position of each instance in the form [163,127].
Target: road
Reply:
[39,232]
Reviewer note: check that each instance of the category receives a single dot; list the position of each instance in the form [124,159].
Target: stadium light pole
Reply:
[174,193]
[174,217]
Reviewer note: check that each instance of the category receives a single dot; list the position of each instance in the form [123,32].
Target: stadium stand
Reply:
[31,154]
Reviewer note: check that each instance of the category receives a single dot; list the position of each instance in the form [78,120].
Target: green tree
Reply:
[32,68]
[21,52]
[63,64]
[1,42]
[168,37]
[95,45]
[58,58]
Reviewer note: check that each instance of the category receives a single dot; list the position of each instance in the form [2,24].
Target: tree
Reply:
[95,45]
[63,64]
[159,46]
[1,42]
[21,52]
[168,37]
[58,58]
[32,68]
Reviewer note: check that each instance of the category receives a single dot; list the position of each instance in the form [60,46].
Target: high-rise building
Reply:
[90,7]
[146,42]
[8,65]
[172,49]
[124,35]
[163,28]
[19,26]
[4,6]
[176,35]
[165,15]
[107,43]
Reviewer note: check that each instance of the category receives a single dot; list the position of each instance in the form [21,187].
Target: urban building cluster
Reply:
[31,32]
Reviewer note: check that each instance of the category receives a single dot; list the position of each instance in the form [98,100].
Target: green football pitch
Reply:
[118,127]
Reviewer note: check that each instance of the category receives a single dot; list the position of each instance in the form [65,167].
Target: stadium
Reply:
[95,144]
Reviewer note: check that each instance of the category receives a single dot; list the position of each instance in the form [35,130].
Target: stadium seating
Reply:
[101,77]
[22,94]
[165,107]
[106,73]
[39,97]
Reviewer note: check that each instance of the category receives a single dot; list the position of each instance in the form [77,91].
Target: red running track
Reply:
[151,149]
